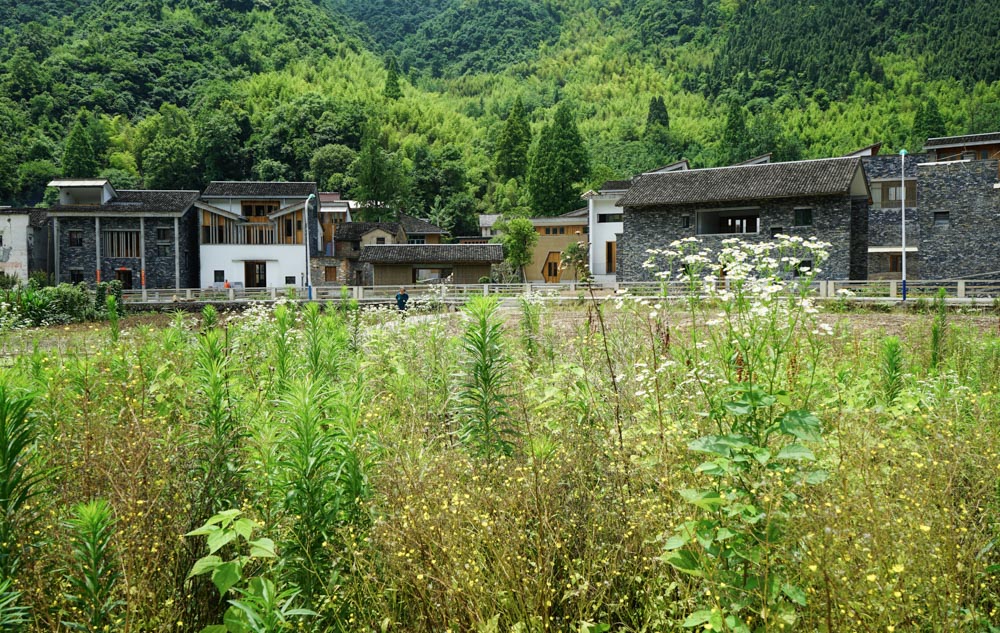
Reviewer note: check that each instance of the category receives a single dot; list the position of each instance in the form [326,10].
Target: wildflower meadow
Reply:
[721,455]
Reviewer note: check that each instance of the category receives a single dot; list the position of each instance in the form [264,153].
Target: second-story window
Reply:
[803,216]
[120,243]
[75,237]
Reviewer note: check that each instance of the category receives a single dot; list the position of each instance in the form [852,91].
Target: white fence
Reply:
[968,290]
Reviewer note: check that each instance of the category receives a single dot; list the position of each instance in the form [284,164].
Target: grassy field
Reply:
[740,462]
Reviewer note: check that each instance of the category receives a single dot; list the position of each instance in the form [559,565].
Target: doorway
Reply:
[255,274]
[124,275]
[551,272]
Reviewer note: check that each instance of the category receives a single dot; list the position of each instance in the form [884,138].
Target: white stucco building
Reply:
[252,234]
[22,230]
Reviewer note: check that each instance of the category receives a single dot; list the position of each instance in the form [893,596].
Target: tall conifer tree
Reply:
[512,148]
[558,164]
[79,158]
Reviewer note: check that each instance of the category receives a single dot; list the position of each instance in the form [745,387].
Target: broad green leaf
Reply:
[236,620]
[716,620]
[203,530]
[723,534]
[711,468]
[705,499]
[685,561]
[218,539]
[205,564]
[794,594]
[722,445]
[244,527]
[676,541]
[302,612]
[225,576]
[762,455]
[796,451]
[738,408]
[816,477]
[801,424]
[697,618]
[215,628]
[262,548]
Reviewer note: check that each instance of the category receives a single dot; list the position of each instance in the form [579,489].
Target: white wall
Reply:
[14,252]
[282,260]
[600,233]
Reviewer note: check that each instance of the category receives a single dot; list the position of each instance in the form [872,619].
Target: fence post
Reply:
[359,292]
[274,293]
[187,294]
[893,287]
[961,289]
[486,290]
[145,297]
[232,294]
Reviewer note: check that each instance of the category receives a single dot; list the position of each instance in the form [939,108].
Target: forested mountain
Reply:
[405,103]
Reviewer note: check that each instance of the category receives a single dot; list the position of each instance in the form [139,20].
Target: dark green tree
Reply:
[392,89]
[79,159]
[928,123]
[735,135]
[558,164]
[330,160]
[519,238]
[511,159]
[221,135]
[657,114]
[381,185]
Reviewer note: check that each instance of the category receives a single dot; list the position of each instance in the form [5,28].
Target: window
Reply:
[163,250]
[164,235]
[892,194]
[164,241]
[75,238]
[75,275]
[804,216]
[685,221]
[548,230]
[775,230]
[984,154]
[728,222]
[419,239]
[586,229]
[552,269]
[942,219]
[259,208]
[219,276]
[120,243]
[289,280]
[609,217]
[380,240]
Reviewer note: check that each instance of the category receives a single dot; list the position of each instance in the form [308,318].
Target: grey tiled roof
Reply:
[416,226]
[616,185]
[137,202]
[352,231]
[747,182]
[259,189]
[36,217]
[952,141]
[432,254]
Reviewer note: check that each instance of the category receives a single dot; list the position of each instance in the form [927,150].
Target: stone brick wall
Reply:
[967,246]
[77,257]
[835,219]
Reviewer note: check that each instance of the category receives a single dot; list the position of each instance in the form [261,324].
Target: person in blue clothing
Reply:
[402,298]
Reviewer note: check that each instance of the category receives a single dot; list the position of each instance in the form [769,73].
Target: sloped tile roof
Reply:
[36,217]
[432,254]
[353,231]
[416,226]
[746,182]
[969,139]
[136,202]
[616,185]
[259,189]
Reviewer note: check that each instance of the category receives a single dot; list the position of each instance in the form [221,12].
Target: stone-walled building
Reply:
[142,238]
[957,216]
[885,216]
[826,199]
[407,264]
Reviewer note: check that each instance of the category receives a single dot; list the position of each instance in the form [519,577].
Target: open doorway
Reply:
[255,274]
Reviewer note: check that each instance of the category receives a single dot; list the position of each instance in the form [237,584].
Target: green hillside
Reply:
[172,93]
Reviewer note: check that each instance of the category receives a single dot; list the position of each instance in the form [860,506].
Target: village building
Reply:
[408,264]
[257,234]
[24,242]
[142,238]
[555,234]
[826,199]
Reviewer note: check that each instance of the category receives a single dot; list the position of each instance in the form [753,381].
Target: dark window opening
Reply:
[942,218]
[289,280]
[685,221]
[775,230]
[609,217]
[219,276]
[75,276]
[803,217]
[75,238]
[895,263]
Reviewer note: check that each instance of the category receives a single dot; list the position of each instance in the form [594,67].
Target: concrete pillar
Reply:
[142,255]
[177,254]
[97,246]
[893,289]
[55,250]
[961,289]
[486,289]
